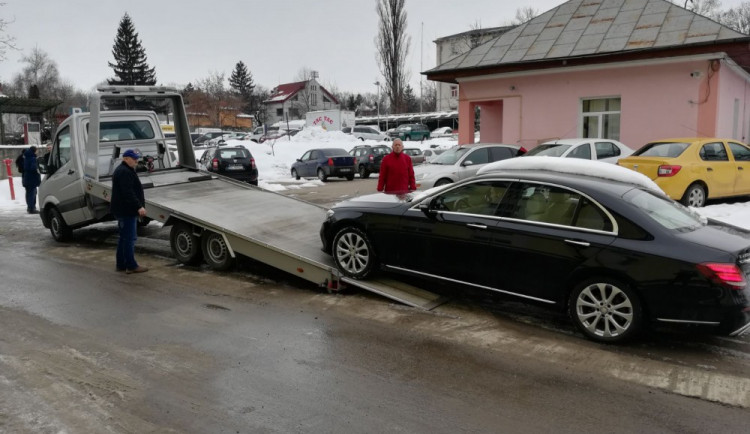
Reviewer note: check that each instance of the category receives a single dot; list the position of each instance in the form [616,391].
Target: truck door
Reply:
[63,186]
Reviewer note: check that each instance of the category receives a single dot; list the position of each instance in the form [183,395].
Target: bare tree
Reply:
[211,97]
[738,18]
[392,44]
[524,14]
[40,71]
[6,41]
[707,8]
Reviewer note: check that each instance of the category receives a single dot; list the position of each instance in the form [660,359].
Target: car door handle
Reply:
[71,171]
[476,225]
[709,169]
[578,243]
[740,168]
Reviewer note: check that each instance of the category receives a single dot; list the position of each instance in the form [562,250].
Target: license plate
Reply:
[345,170]
[235,167]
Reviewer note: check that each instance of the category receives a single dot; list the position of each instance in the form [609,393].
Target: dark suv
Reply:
[411,132]
[369,158]
[232,161]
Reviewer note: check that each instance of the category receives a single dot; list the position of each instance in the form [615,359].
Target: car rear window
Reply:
[665,212]
[333,152]
[662,149]
[550,150]
[234,153]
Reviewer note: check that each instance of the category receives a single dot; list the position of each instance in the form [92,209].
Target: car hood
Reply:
[430,169]
[377,200]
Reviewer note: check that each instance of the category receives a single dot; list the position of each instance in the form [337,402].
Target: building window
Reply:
[600,118]
[314,99]
[454,91]
[279,112]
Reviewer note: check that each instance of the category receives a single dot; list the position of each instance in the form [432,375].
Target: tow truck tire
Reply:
[186,246]
[216,252]
[353,253]
[58,228]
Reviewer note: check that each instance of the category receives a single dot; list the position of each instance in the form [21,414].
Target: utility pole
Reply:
[377,103]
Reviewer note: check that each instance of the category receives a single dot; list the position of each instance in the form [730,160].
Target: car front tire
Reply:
[353,253]
[58,228]
[606,310]
[694,196]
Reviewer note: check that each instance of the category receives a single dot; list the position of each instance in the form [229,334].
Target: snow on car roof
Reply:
[574,166]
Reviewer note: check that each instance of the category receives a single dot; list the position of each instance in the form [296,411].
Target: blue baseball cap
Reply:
[132,154]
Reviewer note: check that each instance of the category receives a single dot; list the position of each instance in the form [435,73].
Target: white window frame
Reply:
[599,116]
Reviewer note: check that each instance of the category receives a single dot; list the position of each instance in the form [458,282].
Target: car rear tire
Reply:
[606,310]
[186,246]
[353,253]
[322,175]
[694,196]
[295,175]
[363,172]
[58,228]
[350,177]
[216,251]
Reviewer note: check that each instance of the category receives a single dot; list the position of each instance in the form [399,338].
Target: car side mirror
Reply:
[429,207]
[467,163]
[41,165]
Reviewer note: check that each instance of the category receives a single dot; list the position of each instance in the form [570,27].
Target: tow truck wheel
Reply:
[353,253]
[58,228]
[185,244]
[216,251]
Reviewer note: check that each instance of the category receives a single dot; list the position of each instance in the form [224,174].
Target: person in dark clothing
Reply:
[127,205]
[30,179]
[396,171]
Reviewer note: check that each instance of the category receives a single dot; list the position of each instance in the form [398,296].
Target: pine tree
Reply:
[241,81]
[130,58]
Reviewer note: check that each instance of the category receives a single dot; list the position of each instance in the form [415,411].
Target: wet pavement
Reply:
[186,349]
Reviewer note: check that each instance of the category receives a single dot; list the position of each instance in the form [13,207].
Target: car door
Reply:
[303,166]
[582,151]
[545,233]
[741,157]
[720,173]
[472,161]
[447,235]
[64,182]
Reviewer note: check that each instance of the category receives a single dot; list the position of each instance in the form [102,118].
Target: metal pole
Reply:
[377,103]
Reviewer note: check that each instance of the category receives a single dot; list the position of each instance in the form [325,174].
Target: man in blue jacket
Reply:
[30,179]
[127,205]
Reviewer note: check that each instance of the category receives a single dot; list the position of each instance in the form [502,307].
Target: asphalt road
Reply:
[181,349]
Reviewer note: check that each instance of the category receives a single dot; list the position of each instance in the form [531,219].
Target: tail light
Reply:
[372,157]
[330,161]
[252,163]
[728,275]
[666,170]
[215,163]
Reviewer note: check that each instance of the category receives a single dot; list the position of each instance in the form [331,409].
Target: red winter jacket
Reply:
[396,174]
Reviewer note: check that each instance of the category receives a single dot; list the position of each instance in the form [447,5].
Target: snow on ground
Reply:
[275,159]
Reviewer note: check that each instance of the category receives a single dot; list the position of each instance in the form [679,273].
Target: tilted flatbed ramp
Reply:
[278,230]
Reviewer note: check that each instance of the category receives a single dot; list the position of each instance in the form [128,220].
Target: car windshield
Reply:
[450,156]
[667,213]
[662,149]
[333,152]
[549,150]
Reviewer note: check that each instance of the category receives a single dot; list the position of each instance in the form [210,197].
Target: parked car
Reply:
[411,132]
[368,158]
[442,132]
[259,132]
[232,161]
[461,162]
[236,135]
[615,255]
[694,169]
[416,154]
[324,163]
[194,136]
[605,150]
[365,132]
[205,137]
[278,134]
[430,154]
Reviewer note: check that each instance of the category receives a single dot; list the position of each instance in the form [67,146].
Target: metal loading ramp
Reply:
[399,291]
[272,228]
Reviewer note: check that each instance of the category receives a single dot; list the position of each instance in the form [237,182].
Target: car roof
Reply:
[481,145]
[575,141]
[577,181]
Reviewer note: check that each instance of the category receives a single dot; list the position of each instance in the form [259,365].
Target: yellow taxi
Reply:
[694,169]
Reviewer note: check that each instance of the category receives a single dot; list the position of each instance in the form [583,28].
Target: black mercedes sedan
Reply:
[616,255]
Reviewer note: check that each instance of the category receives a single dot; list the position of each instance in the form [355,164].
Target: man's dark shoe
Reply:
[33,211]
[119,269]
[136,270]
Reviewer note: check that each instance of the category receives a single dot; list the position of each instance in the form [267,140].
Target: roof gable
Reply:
[284,92]
[581,28]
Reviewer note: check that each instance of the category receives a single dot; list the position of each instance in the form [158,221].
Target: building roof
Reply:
[283,92]
[594,28]
[478,32]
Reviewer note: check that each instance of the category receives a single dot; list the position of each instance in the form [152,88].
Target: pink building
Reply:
[629,70]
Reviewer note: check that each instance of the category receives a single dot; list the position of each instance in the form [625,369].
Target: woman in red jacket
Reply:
[396,171]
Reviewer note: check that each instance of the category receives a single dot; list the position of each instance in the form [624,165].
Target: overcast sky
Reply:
[188,40]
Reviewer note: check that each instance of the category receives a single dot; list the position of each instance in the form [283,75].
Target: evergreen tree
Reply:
[130,58]
[241,81]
